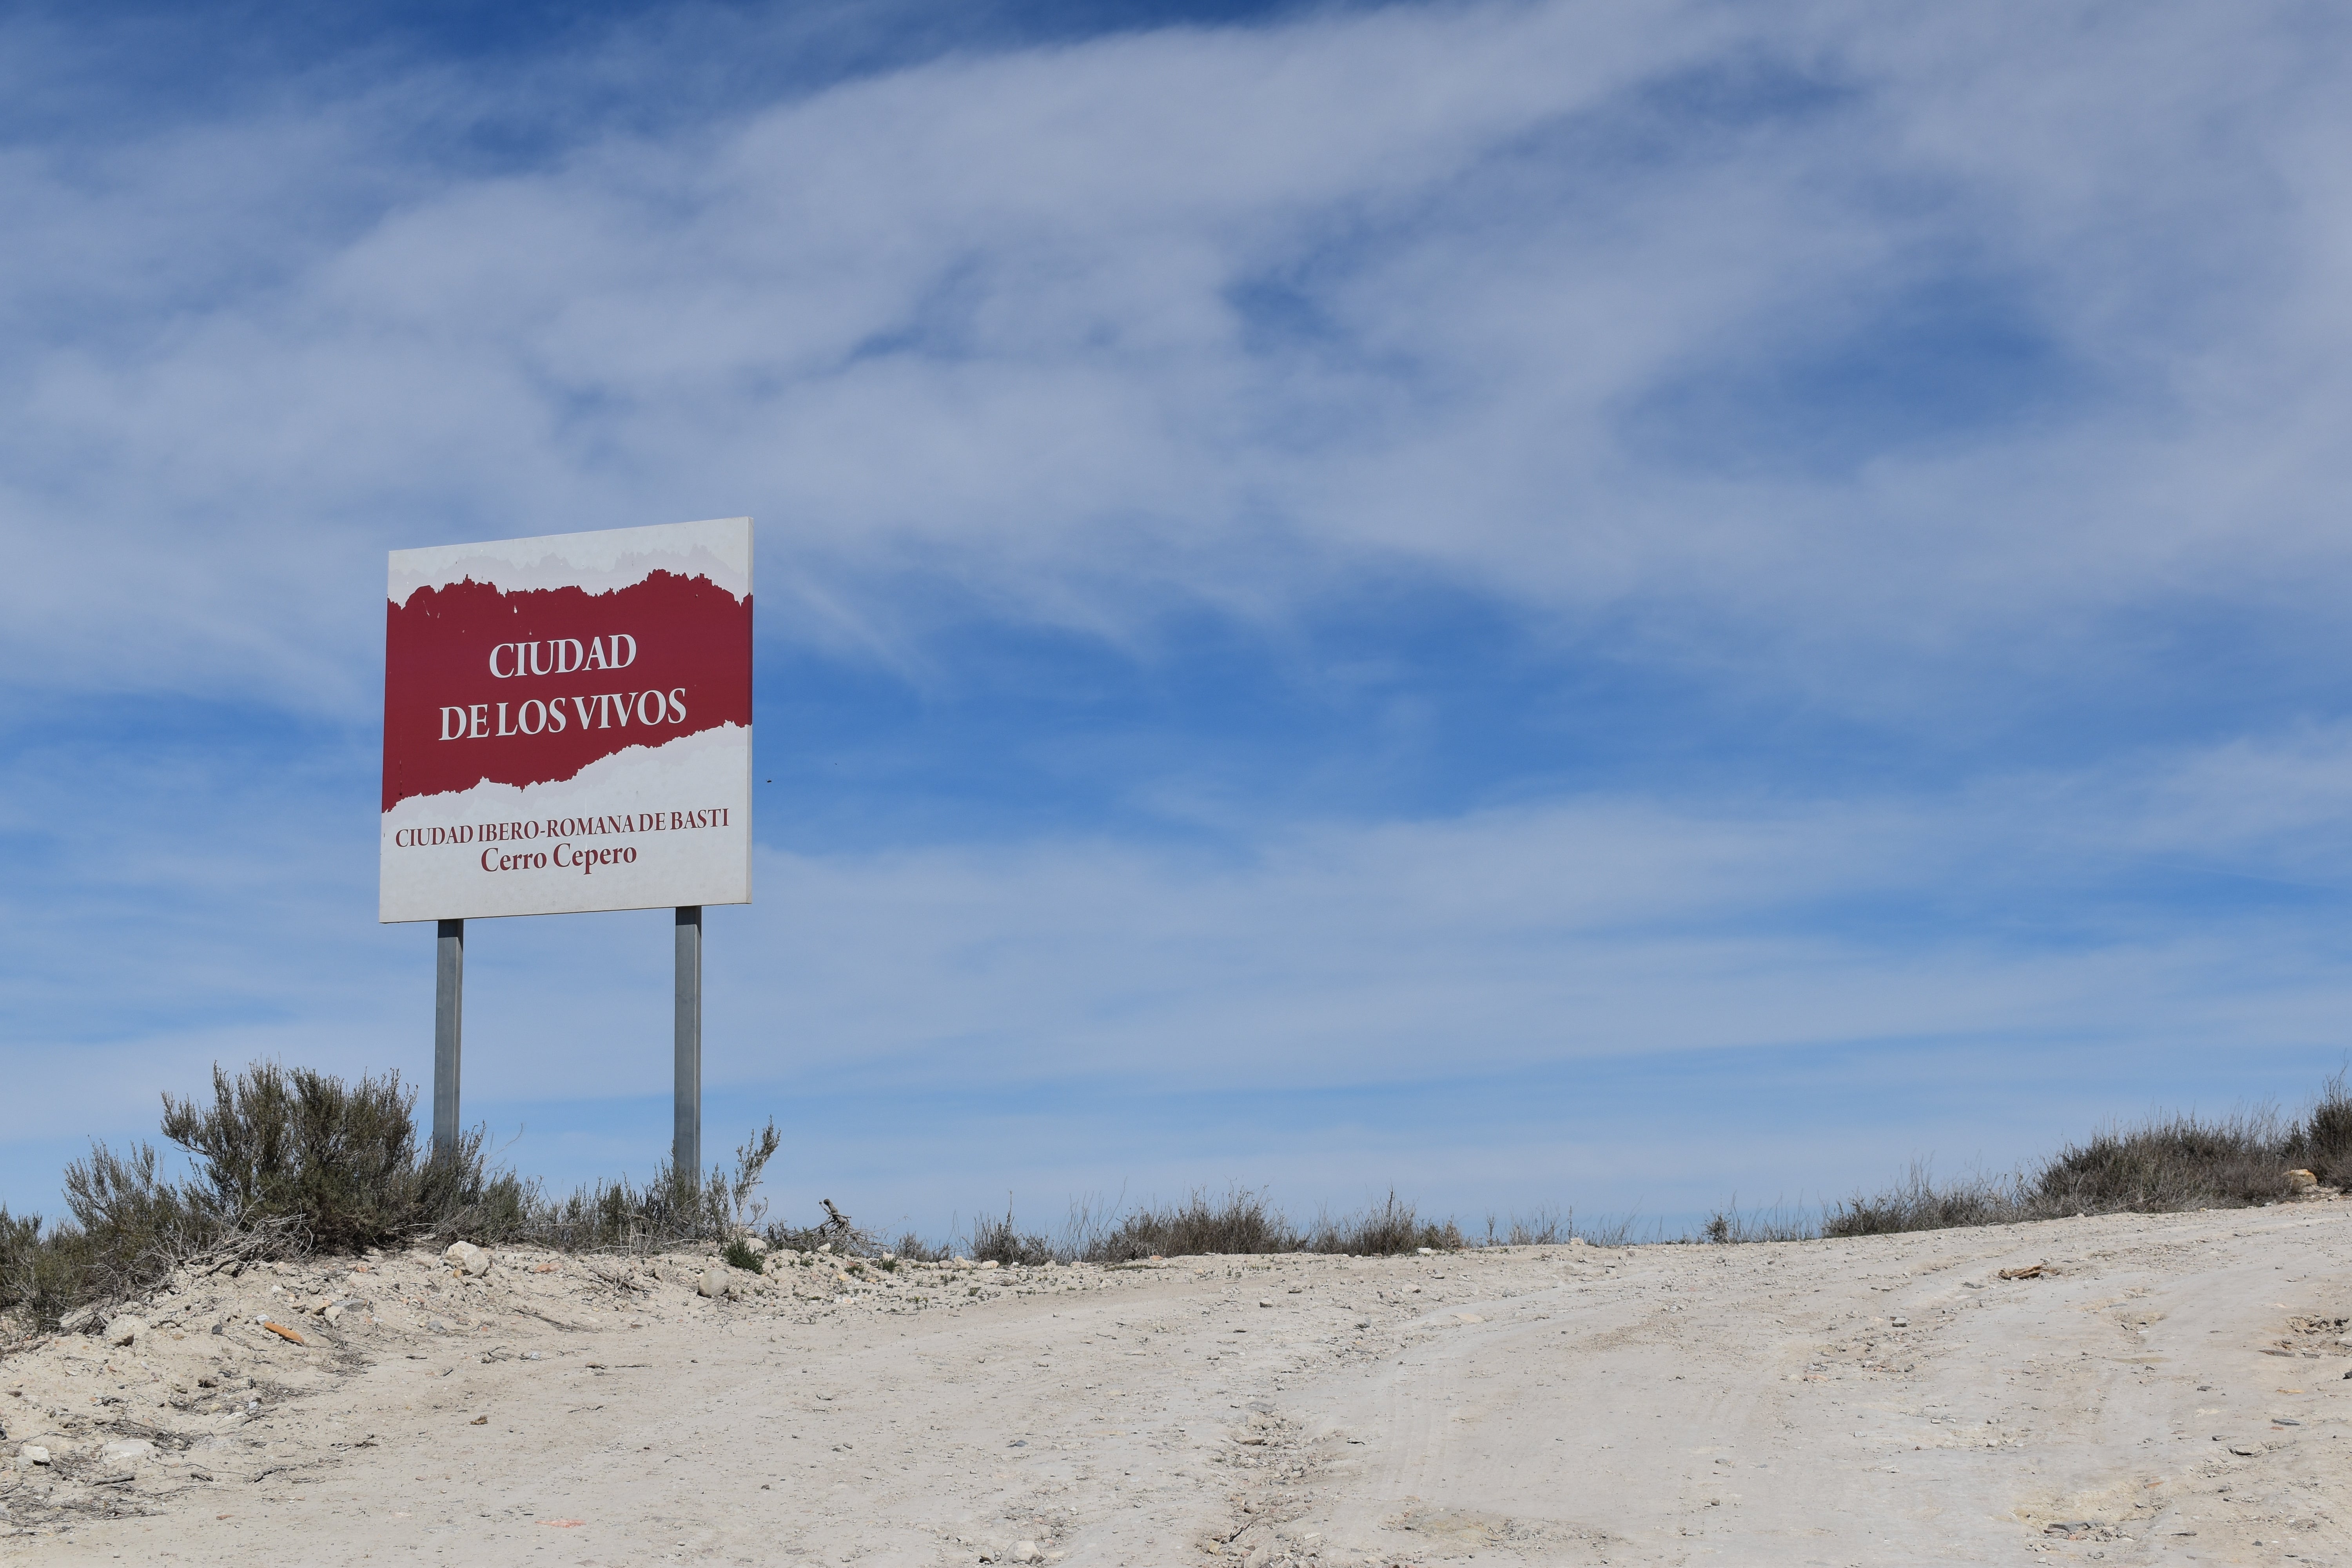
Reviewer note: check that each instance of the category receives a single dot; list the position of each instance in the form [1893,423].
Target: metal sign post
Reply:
[449,1024]
[686,1149]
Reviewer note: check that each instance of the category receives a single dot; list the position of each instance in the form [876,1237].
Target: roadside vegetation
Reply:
[286,1162]
[2159,1166]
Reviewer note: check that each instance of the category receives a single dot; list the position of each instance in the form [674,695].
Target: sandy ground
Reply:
[2172,1387]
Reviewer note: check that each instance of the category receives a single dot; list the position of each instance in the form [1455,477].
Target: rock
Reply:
[125,1329]
[77,1320]
[992,1263]
[2245,1450]
[1898,1322]
[1026,1552]
[33,1454]
[756,1244]
[1259,1556]
[465,1257]
[713,1283]
[2301,1180]
[127,1451]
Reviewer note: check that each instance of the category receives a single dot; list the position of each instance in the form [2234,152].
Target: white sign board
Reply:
[567,723]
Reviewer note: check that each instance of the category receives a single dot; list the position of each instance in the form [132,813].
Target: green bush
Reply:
[341,1159]
[40,1275]
[282,1162]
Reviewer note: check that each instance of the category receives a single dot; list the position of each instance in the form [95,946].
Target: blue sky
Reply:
[1579,605]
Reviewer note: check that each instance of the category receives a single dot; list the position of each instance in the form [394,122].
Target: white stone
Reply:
[712,1283]
[467,1257]
[33,1454]
[123,1330]
[128,1451]
[1025,1552]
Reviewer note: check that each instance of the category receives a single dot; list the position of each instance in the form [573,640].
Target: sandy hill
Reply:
[2163,1389]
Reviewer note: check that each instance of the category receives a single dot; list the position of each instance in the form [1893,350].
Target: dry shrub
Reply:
[2180,1164]
[674,1209]
[1002,1241]
[915,1249]
[1393,1227]
[2164,1165]
[1920,1204]
[837,1231]
[1733,1225]
[2323,1143]
[1240,1221]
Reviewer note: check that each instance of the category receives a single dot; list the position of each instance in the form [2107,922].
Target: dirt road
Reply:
[2172,1387]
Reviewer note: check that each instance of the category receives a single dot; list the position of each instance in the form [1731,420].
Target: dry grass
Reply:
[291,1161]
[1242,1222]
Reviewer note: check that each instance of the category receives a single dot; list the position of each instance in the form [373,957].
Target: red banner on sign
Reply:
[532,686]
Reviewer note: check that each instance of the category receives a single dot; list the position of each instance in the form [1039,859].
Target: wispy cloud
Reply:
[1804,333]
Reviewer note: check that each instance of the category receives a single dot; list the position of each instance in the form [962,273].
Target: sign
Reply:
[567,723]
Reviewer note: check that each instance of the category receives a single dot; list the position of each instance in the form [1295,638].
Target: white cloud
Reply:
[989,319]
